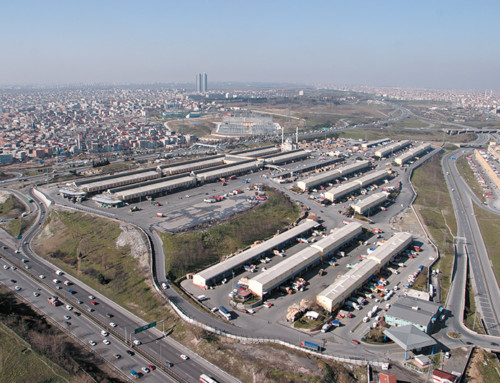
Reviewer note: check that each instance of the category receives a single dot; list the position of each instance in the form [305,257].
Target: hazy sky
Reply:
[432,44]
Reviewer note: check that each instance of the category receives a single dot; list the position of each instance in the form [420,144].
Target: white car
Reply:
[104,333]
[18,288]
[42,276]
[185,357]
[112,324]
[69,308]
[106,342]
[36,294]
[137,342]
[92,343]
[91,297]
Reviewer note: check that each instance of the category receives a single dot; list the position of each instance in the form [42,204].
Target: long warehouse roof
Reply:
[129,178]
[391,247]
[370,201]
[281,272]
[243,257]
[336,239]
[382,152]
[219,172]
[350,281]
[412,153]
[167,184]
[186,166]
[369,144]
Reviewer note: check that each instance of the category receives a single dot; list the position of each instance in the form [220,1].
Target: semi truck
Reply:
[309,346]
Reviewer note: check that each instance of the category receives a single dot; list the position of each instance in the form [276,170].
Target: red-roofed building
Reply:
[384,377]
[440,376]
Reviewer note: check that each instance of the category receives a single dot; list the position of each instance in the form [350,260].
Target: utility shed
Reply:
[342,288]
[225,268]
[338,238]
[370,202]
[396,244]
[288,268]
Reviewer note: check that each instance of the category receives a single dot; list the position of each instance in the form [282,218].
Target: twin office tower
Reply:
[201,83]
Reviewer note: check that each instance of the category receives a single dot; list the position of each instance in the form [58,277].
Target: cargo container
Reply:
[310,346]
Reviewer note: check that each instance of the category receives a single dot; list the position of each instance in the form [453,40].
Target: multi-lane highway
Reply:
[470,243]
[160,350]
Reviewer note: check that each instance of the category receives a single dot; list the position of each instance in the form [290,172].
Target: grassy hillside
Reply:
[11,207]
[32,350]
[193,251]
[87,246]
[433,204]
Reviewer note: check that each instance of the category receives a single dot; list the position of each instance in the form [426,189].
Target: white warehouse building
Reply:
[338,238]
[298,262]
[288,268]
[332,175]
[369,202]
[331,297]
[342,190]
[390,248]
[225,268]
[345,285]
[402,159]
[389,149]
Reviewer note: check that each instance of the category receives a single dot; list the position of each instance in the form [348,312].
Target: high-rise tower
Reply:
[201,83]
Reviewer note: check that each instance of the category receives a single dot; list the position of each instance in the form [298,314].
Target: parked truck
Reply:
[310,346]
[326,327]
[361,301]
[354,305]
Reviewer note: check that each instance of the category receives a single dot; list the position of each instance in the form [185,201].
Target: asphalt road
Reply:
[78,326]
[488,293]
[159,348]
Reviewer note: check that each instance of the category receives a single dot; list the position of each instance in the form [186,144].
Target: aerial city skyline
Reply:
[443,45]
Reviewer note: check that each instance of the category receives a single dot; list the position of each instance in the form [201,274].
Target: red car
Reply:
[151,367]
[94,302]
[355,341]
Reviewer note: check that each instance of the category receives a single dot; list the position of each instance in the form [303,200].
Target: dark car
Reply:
[77,313]
[131,353]
[169,364]
[13,281]
[109,315]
